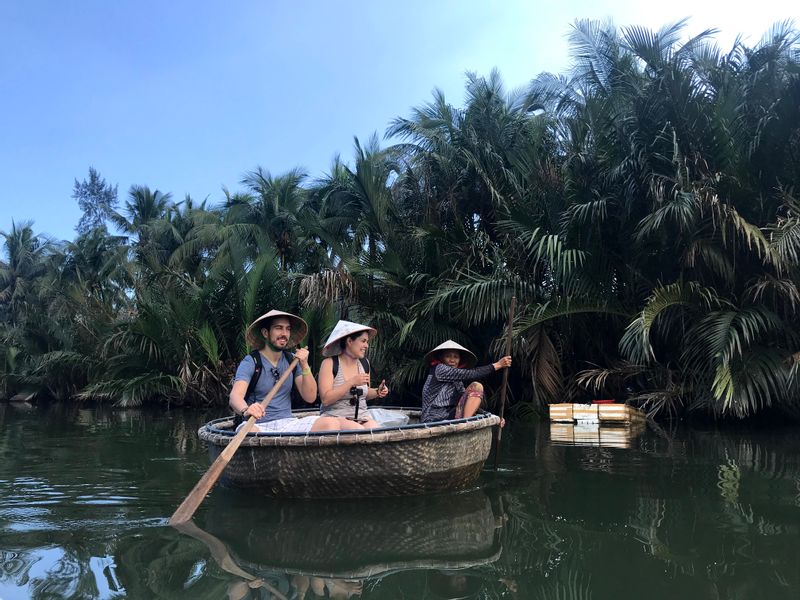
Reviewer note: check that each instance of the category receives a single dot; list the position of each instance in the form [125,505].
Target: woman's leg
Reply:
[474,399]
[370,424]
[334,424]
[348,424]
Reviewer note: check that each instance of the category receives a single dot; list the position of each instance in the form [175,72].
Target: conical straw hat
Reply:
[344,329]
[299,328]
[468,359]
[454,585]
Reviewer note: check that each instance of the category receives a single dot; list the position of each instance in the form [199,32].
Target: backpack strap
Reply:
[256,356]
[335,366]
[251,387]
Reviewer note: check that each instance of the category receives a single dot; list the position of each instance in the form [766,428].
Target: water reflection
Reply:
[310,549]
[596,434]
[361,538]
[690,512]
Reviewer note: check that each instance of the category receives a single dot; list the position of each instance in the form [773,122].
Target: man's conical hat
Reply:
[299,328]
[468,359]
[344,329]
[454,585]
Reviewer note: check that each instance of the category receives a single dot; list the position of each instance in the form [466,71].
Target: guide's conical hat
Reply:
[468,359]
[342,330]
[299,328]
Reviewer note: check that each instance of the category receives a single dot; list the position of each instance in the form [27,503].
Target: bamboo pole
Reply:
[505,380]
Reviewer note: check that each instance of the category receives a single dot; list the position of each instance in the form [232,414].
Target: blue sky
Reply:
[185,97]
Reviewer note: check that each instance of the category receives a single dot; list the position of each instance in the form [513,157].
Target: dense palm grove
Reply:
[643,209]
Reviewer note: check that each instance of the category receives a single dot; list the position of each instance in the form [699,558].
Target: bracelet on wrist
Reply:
[306,371]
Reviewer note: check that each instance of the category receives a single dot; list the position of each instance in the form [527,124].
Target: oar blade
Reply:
[198,494]
[187,508]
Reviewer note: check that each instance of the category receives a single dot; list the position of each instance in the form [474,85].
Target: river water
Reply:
[85,495]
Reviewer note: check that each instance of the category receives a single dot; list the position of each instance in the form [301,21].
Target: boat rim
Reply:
[213,427]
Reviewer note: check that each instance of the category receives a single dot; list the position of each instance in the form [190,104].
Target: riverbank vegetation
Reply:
[643,208]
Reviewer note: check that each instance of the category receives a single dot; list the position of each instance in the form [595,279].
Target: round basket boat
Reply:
[418,458]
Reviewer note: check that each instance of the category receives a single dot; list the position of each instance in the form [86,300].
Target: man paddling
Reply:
[272,334]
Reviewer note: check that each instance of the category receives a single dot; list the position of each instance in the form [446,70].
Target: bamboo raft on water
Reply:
[603,424]
[607,413]
[413,459]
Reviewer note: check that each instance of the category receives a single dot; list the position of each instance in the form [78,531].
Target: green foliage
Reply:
[641,207]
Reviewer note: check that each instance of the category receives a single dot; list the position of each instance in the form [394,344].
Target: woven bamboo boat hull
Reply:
[399,461]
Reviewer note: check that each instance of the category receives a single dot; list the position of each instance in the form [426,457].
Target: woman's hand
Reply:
[358,380]
[503,363]
[382,390]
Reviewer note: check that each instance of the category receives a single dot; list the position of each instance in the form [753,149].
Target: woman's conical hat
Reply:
[468,359]
[344,329]
[299,328]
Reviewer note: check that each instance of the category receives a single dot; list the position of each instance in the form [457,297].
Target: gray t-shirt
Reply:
[280,407]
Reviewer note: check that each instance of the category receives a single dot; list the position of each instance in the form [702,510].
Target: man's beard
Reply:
[279,344]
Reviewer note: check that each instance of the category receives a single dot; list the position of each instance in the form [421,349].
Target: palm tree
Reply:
[671,187]
[25,263]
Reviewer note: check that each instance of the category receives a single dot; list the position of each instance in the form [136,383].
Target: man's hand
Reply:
[301,354]
[254,410]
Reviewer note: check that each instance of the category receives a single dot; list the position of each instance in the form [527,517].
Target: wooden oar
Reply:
[221,554]
[207,481]
[505,380]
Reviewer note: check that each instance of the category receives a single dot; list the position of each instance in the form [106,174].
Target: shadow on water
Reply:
[696,513]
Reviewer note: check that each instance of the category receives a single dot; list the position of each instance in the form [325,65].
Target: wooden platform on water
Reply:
[595,413]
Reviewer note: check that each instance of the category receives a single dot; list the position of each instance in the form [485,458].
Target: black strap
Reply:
[256,356]
[335,365]
[251,387]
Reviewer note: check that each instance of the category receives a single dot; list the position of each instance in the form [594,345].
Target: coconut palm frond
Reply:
[752,382]
[636,345]
[208,341]
[753,236]
[473,299]
[702,252]
[542,364]
[134,391]
[554,309]
[782,293]
[680,211]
